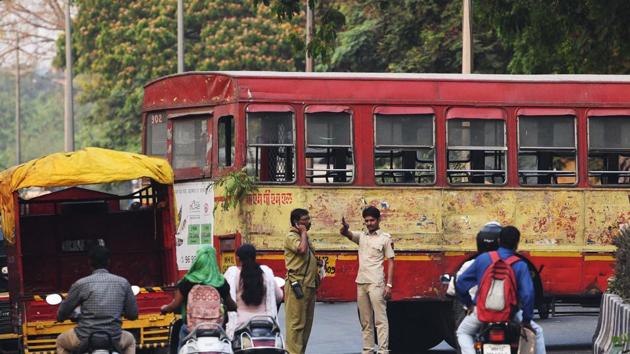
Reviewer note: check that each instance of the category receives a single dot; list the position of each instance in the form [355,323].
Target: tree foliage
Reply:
[568,36]
[121,45]
[410,36]
[41,116]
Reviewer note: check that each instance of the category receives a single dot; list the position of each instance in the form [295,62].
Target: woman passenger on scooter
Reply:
[253,287]
[203,271]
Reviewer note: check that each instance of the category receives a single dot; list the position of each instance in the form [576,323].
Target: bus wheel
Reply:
[543,309]
[414,327]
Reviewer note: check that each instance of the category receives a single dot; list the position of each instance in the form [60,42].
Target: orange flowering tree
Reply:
[120,45]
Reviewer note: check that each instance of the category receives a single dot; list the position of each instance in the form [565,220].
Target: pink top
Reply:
[246,312]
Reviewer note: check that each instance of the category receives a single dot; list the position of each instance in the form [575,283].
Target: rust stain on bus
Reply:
[434,219]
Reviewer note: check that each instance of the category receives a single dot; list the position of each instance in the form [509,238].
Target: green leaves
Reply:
[123,44]
[236,186]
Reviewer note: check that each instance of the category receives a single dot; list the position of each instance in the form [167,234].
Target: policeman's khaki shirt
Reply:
[373,249]
[300,267]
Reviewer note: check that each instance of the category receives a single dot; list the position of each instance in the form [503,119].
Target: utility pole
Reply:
[180,36]
[69,110]
[309,36]
[467,41]
[18,153]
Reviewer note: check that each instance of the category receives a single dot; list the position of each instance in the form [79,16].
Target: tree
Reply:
[328,22]
[121,45]
[42,116]
[37,24]
[411,36]
[568,36]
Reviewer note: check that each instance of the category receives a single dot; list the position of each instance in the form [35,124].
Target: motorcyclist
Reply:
[104,298]
[487,240]
[508,243]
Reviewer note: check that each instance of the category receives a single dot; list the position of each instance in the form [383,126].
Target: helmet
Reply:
[488,237]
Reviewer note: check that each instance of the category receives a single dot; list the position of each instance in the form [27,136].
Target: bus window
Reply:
[609,150]
[329,157]
[476,151]
[547,150]
[190,143]
[271,146]
[226,141]
[404,149]
[156,134]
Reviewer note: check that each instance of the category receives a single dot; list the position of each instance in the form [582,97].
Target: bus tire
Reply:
[414,326]
[543,309]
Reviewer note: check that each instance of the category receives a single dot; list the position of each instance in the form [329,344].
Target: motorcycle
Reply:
[260,335]
[501,337]
[207,338]
[98,342]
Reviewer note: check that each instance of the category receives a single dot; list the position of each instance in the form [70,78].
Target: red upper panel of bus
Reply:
[210,88]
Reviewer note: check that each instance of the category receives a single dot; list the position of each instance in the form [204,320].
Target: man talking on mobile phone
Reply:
[372,291]
[301,283]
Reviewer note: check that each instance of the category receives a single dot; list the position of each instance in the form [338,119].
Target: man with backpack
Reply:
[497,270]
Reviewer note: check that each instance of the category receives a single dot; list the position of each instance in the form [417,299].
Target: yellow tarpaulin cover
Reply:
[87,166]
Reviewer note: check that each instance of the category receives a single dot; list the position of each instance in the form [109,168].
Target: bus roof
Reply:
[209,88]
[411,76]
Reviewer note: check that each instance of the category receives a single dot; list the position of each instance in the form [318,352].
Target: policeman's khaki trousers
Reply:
[68,341]
[299,319]
[373,310]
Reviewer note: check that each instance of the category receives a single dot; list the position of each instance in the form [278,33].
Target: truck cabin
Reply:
[55,231]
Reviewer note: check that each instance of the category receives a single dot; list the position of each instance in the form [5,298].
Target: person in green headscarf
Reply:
[203,271]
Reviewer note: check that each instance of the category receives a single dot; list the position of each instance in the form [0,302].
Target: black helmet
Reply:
[488,237]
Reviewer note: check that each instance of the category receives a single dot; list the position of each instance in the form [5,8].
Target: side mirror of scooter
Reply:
[445,279]
[53,299]
[135,290]
[279,281]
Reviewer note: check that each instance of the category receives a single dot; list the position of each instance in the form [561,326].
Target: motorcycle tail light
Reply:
[264,342]
[497,335]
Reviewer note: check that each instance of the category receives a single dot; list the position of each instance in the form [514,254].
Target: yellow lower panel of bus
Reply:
[151,331]
[434,219]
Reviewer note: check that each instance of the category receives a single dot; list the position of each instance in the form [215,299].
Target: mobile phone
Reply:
[297,290]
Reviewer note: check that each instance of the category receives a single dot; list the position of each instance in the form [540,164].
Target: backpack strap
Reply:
[494,256]
[511,260]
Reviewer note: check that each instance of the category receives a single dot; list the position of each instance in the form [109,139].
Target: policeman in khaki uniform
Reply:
[301,283]
[372,290]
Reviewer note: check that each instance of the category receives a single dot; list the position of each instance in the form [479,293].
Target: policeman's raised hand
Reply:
[344,227]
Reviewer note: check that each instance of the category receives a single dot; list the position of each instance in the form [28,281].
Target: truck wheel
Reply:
[414,327]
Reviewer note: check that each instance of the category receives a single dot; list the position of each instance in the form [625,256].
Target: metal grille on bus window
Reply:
[270,146]
[329,156]
[547,153]
[476,151]
[226,140]
[404,149]
[609,150]
[190,143]
[156,134]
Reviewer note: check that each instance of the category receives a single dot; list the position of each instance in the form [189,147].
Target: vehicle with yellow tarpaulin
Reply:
[56,207]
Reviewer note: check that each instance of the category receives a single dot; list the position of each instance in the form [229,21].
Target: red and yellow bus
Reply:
[440,155]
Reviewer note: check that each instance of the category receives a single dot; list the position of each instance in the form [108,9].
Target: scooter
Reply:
[260,335]
[207,338]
